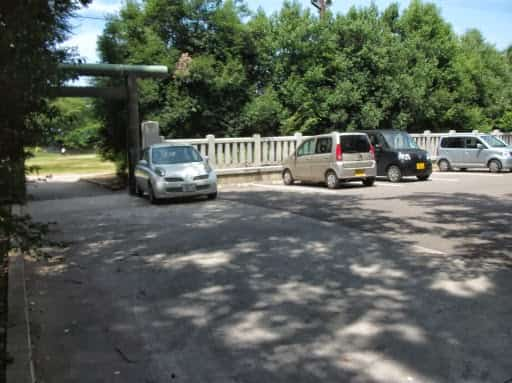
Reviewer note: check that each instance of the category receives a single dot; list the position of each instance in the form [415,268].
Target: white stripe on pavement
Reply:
[466,174]
[389,184]
[427,250]
[445,179]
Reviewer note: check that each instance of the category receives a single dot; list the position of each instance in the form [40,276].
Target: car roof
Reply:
[330,134]
[465,135]
[382,131]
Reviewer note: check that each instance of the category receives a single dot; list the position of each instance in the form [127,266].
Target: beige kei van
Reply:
[332,158]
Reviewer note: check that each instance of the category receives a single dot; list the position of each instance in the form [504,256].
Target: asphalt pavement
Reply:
[406,282]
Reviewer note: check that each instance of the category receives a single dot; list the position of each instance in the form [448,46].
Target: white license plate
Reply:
[187,188]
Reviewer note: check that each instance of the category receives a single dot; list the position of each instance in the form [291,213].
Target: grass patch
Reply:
[56,163]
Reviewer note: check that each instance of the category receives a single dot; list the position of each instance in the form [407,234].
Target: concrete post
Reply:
[298,139]
[496,132]
[150,133]
[475,131]
[452,131]
[211,149]
[427,132]
[133,131]
[257,149]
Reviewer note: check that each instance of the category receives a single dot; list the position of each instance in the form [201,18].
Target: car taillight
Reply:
[372,152]
[339,153]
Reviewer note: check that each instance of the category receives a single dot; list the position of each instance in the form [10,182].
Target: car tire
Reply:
[494,166]
[152,198]
[394,174]
[423,177]
[288,177]
[331,180]
[444,166]
[212,196]
[369,181]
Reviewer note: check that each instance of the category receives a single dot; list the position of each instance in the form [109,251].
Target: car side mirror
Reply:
[143,163]
[479,146]
[378,147]
[206,160]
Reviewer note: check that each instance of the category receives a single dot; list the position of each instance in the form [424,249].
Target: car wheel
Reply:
[369,181]
[444,166]
[212,195]
[287,177]
[152,198]
[394,174]
[331,180]
[495,166]
[423,177]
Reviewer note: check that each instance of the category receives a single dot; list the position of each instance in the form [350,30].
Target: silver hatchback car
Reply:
[473,150]
[169,171]
[332,158]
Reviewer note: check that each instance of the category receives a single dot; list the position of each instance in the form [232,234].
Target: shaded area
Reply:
[3,308]
[266,286]
[55,190]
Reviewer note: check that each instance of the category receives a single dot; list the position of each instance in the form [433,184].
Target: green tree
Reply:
[239,73]
[71,123]
[30,32]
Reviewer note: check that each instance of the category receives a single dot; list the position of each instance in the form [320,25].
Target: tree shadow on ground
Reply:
[264,287]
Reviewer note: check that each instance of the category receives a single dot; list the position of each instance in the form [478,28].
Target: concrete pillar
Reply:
[452,131]
[298,139]
[150,132]
[211,149]
[257,149]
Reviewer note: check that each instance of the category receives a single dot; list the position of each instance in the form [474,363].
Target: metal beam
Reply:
[116,70]
[112,93]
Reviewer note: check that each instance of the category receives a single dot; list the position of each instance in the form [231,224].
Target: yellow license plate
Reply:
[359,173]
[420,166]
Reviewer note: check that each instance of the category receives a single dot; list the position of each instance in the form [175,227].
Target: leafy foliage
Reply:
[240,73]
[29,34]
[71,123]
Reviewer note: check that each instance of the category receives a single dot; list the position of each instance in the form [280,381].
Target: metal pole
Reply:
[133,131]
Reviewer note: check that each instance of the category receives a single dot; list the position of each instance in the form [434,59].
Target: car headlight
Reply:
[404,156]
[428,157]
[507,154]
[160,172]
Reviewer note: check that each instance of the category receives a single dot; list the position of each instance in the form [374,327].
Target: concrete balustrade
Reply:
[257,151]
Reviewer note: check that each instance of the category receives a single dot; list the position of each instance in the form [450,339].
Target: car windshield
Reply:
[493,142]
[400,140]
[169,155]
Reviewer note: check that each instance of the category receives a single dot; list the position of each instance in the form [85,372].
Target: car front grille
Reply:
[174,179]
[174,190]
[202,187]
[201,177]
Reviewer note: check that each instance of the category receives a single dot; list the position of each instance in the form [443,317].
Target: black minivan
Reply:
[398,155]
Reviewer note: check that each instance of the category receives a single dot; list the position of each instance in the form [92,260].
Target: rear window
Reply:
[354,143]
[452,142]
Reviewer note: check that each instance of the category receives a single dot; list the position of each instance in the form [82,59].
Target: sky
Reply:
[492,17]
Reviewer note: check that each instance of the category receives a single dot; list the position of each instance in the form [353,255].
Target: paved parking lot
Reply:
[405,282]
